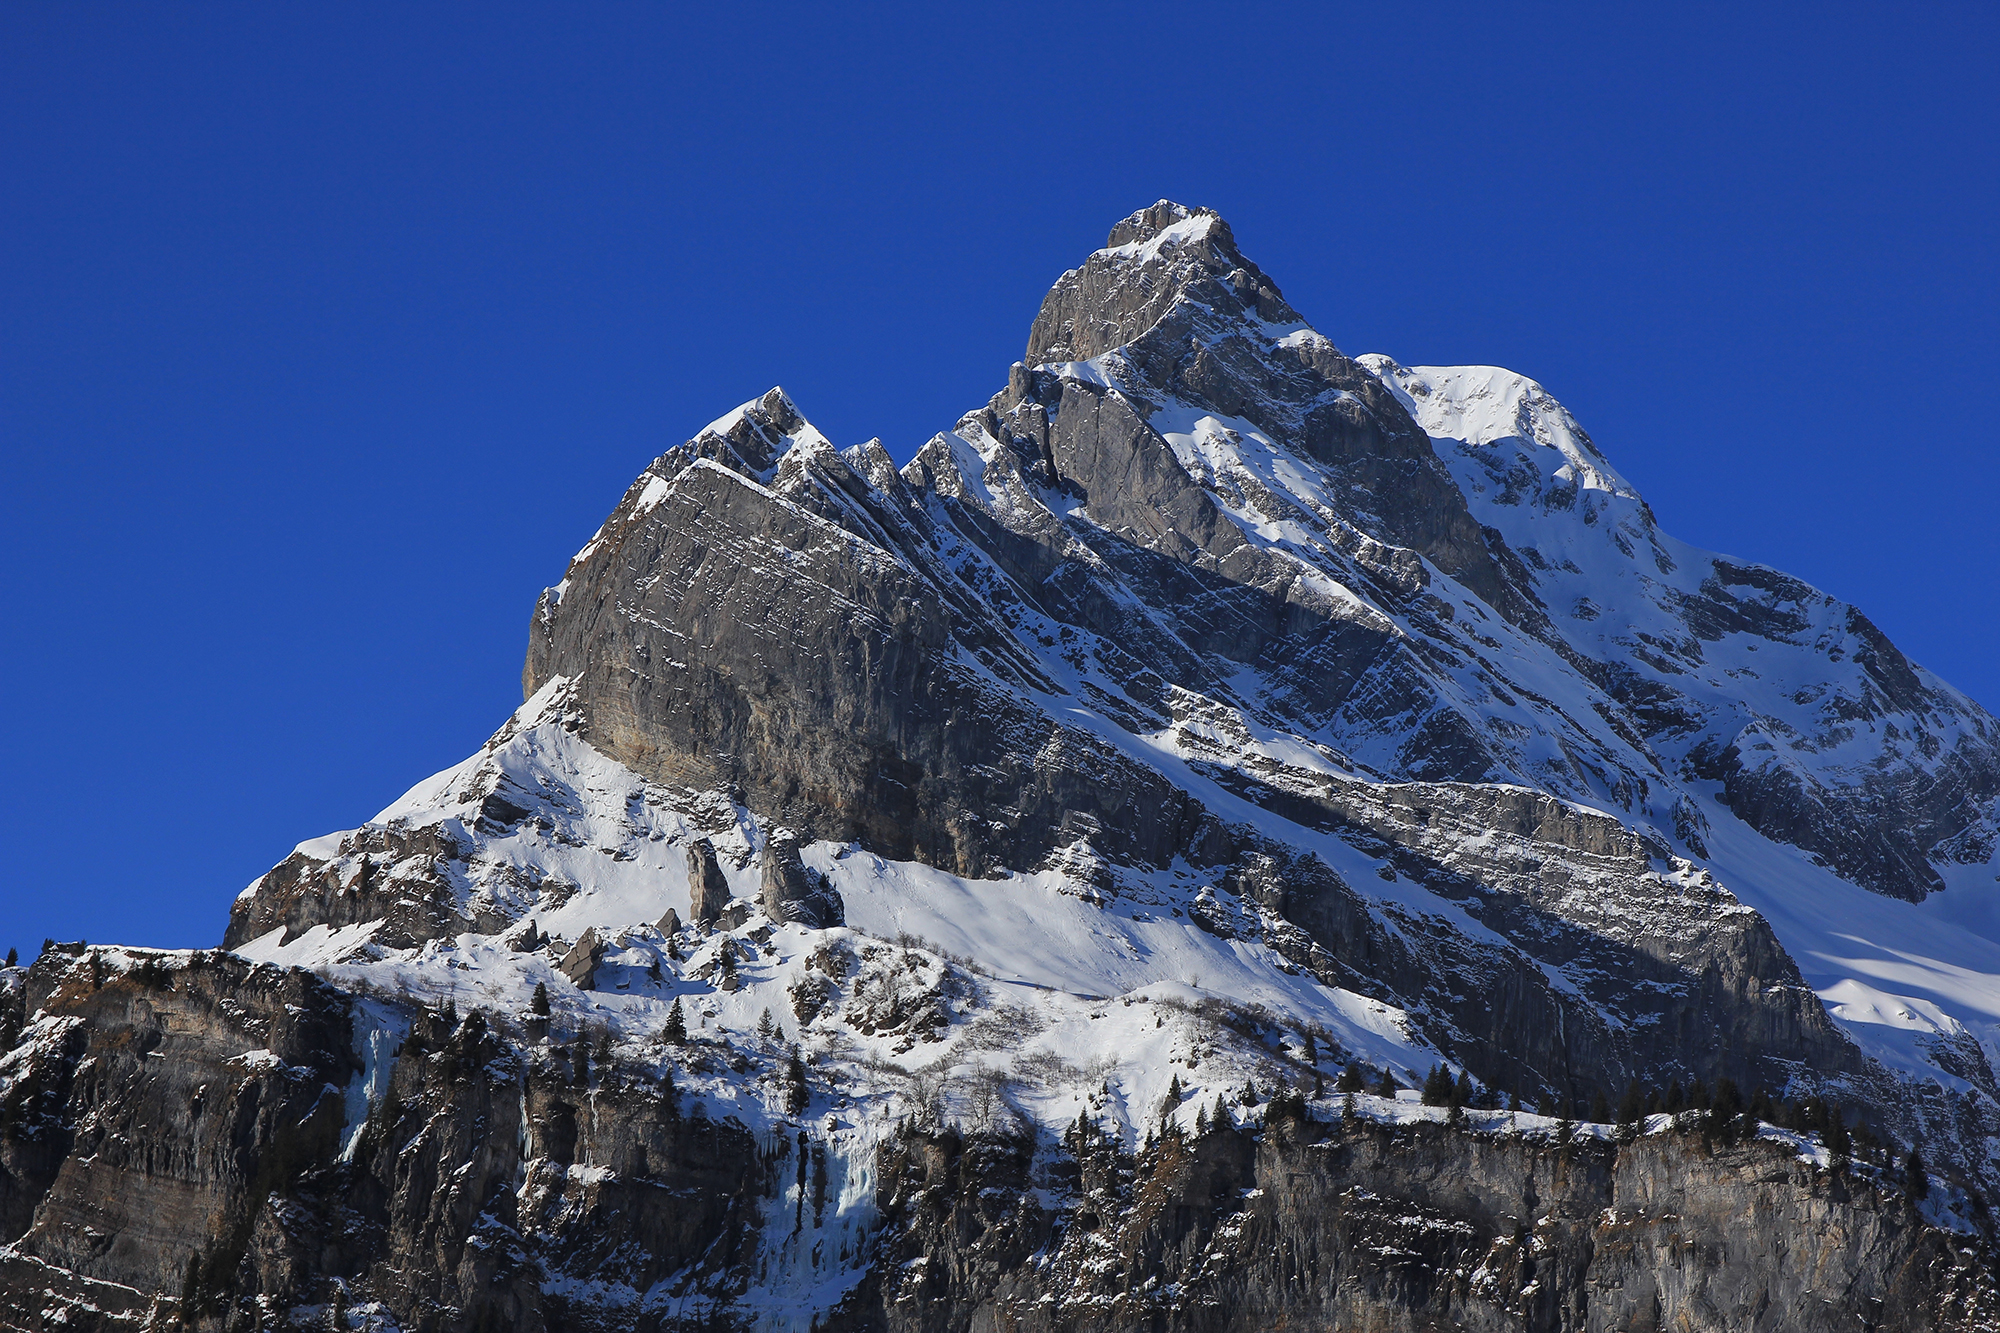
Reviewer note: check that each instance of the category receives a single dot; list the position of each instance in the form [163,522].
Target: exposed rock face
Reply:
[487,1174]
[856,721]
[143,1138]
[1365,1227]
[388,878]
[154,1108]
[1699,987]
[579,964]
[1173,296]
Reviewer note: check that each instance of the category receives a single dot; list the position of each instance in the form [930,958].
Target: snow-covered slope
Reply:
[1084,987]
[1745,658]
[1800,686]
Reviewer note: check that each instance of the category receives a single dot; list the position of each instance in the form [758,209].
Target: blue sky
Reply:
[328,333]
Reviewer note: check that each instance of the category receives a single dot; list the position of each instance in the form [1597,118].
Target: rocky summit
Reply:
[1228,836]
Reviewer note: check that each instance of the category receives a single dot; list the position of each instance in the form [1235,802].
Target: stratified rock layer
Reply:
[1361,1226]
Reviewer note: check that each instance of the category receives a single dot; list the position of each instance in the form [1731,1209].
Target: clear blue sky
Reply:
[328,333]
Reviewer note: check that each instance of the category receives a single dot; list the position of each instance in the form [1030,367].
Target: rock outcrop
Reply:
[708,890]
[792,891]
[1366,1226]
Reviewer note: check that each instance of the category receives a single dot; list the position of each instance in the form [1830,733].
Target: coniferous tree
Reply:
[1514,1101]
[1916,1176]
[539,1006]
[1351,1079]
[1462,1090]
[1288,1103]
[1437,1087]
[1388,1087]
[797,1094]
[1866,1144]
[765,1026]
[13,958]
[1600,1109]
[1632,1105]
[1312,1049]
[1727,1111]
[676,1030]
[1675,1101]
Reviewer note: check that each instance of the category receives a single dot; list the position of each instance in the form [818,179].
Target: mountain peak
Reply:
[1487,407]
[757,435]
[1151,260]
[1149,222]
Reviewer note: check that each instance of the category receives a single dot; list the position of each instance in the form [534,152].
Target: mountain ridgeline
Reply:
[1027,887]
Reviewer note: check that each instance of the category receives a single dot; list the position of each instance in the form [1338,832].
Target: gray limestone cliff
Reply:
[503,1182]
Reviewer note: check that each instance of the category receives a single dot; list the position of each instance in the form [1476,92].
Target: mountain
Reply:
[963,894]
